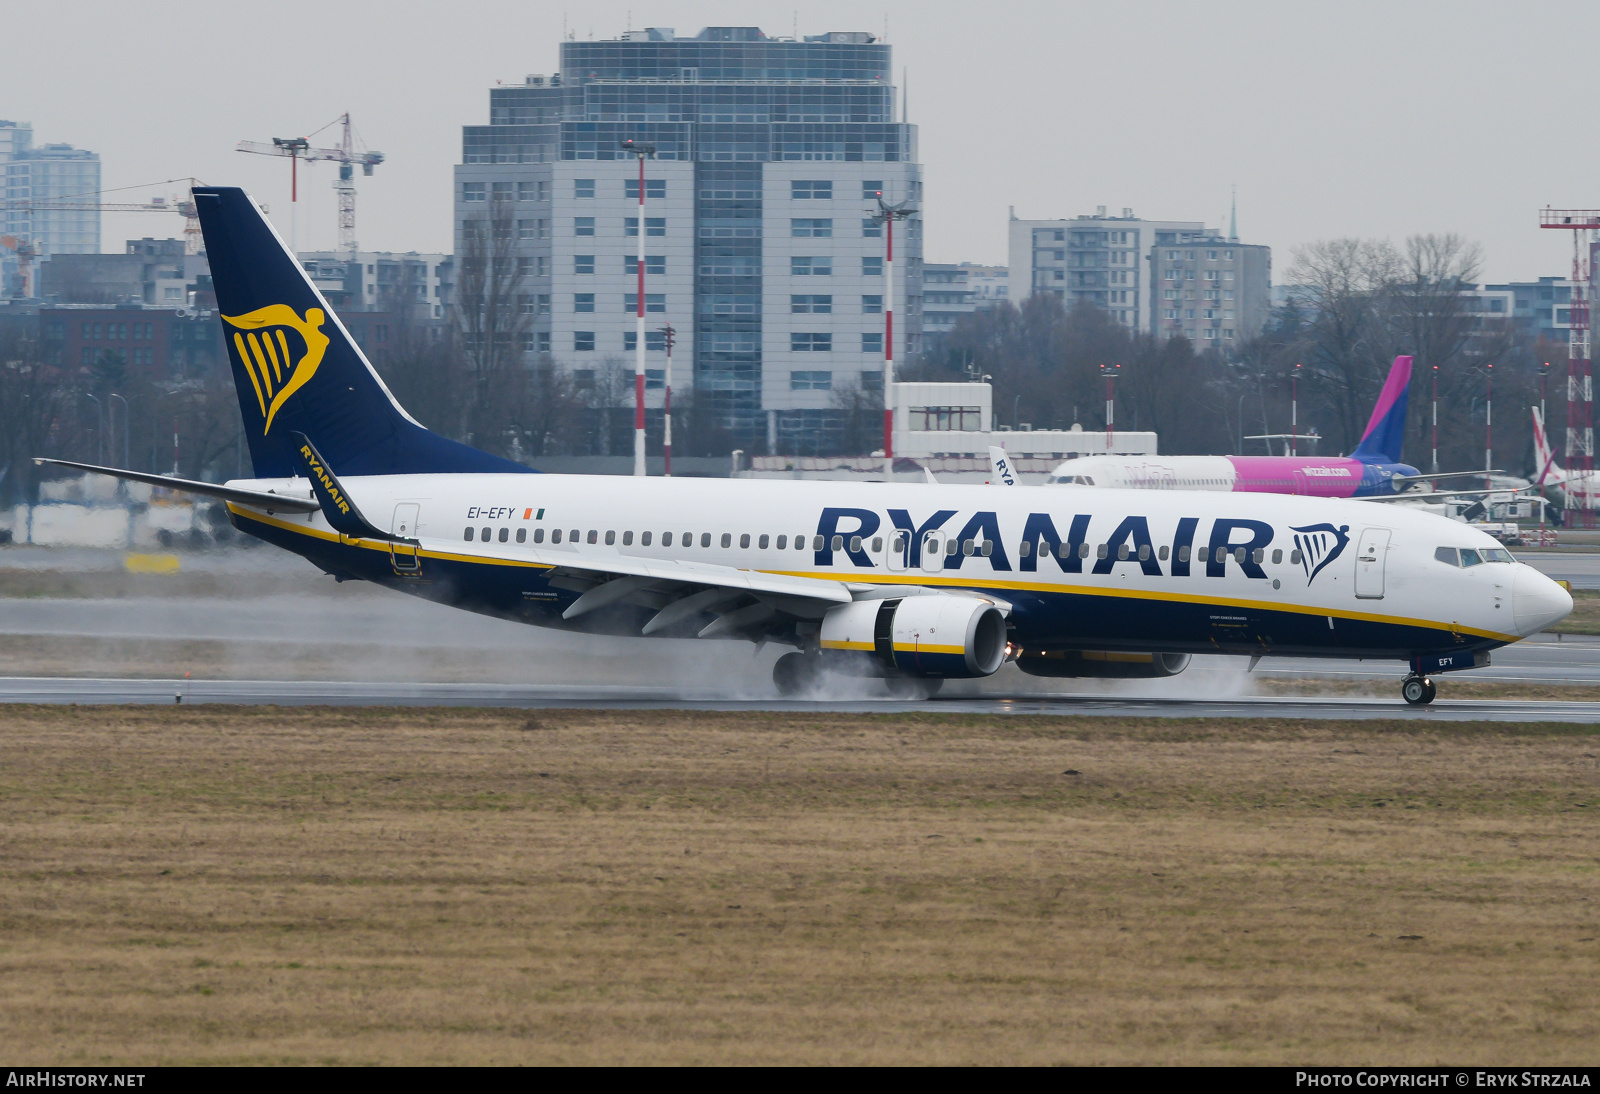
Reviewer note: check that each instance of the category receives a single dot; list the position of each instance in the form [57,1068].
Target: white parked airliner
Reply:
[915,584]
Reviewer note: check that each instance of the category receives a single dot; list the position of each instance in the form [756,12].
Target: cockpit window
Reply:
[1447,555]
[1495,554]
[1469,557]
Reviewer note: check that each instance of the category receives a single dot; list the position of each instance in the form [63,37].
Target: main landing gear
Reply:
[1418,691]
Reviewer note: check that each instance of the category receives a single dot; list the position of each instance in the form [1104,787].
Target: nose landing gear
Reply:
[1418,691]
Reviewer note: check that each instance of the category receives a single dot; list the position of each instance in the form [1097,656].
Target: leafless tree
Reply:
[493,318]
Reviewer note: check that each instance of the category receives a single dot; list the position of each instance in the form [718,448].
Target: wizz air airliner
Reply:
[911,583]
[1373,470]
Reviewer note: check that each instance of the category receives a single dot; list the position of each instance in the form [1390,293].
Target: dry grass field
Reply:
[444,886]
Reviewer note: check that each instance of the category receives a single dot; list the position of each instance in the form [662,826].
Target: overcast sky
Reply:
[1337,119]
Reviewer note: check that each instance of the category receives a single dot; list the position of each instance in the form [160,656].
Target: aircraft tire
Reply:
[1418,691]
[912,687]
[1433,689]
[792,674]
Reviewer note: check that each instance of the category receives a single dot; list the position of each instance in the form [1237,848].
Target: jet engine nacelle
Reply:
[935,635]
[1101,663]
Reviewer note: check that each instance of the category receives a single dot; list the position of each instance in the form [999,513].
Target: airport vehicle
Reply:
[1373,470]
[912,583]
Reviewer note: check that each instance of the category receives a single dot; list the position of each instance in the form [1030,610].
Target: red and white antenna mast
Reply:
[1582,223]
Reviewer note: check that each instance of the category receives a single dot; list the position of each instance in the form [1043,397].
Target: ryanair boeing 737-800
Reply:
[912,583]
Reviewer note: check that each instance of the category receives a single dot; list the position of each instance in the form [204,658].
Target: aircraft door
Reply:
[1299,487]
[1373,552]
[933,552]
[404,555]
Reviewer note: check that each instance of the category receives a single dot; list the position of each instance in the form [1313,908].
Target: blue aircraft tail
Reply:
[296,368]
[1386,429]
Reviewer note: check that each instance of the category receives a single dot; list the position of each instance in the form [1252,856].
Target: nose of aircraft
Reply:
[1536,601]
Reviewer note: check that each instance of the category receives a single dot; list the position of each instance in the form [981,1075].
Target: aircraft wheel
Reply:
[1417,691]
[793,673]
[912,687]
[1433,689]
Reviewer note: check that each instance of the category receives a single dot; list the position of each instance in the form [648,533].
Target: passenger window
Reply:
[573,535]
[1024,549]
[1469,557]
[951,545]
[1259,556]
[705,539]
[627,539]
[594,536]
[687,539]
[1144,552]
[855,544]
[816,543]
[1446,555]
[898,543]
[877,544]
[1277,556]
[1238,555]
[783,543]
[505,534]
[1295,556]
[744,541]
[522,535]
[538,535]
[468,536]
[611,538]
[987,548]
[1122,552]
[666,539]
[800,543]
[762,542]
[1102,551]
[1183,554]
[727,539]
[838,543]
[1222,554]
[1162,554]
[644,539]
[484,535]
[555,536]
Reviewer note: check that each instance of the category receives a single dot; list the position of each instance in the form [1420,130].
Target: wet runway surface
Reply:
[354,630]
[613,697]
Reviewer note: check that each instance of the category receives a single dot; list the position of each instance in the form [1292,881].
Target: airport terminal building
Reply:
[760,251]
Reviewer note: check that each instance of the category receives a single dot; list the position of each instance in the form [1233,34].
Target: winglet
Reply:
[337,504]
[1000,466]
[1386,429]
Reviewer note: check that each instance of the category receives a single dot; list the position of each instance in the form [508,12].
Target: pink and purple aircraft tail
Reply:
[1386,430]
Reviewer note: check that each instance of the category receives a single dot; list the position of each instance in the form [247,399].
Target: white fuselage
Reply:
[1385,573]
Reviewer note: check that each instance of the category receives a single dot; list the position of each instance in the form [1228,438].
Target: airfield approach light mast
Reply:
[1110,372]
[886,215]
[643,152]
[1582,223]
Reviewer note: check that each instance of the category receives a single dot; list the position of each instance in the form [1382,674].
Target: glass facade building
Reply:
[769,152]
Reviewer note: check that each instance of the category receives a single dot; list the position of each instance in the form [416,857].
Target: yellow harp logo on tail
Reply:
[264,349]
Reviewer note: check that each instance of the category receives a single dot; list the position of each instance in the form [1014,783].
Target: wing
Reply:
[698,599]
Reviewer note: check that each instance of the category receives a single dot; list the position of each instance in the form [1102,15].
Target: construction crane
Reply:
[26,252]
[185,209]
[345,155]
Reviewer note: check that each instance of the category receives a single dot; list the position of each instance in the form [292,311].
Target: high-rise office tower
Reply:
[760,251]
[49,173]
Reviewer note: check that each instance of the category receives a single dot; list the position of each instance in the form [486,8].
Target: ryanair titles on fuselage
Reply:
[845,530]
